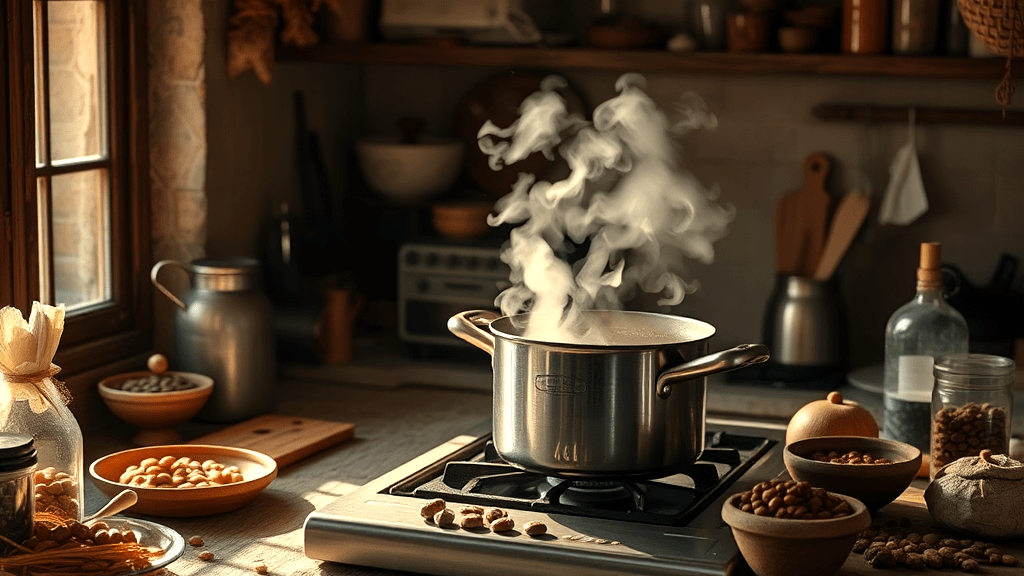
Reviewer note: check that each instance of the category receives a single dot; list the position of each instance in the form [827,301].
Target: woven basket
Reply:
[999,24]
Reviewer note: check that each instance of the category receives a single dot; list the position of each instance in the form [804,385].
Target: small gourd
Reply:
[982,495]
[831,417]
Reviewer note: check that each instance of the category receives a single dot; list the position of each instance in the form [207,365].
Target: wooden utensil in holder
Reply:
[802,220]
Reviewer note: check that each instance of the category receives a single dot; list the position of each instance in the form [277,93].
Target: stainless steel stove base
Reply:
[370,527]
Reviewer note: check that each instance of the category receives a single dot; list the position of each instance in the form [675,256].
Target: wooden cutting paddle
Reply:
[801,221]
[849,216]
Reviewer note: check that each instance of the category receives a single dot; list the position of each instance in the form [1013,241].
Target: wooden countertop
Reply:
[392,425]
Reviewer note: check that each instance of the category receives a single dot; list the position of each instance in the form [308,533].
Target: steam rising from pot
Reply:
[627,202]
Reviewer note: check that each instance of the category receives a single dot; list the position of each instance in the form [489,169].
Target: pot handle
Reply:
[156,270]
[470,327]
[732,359]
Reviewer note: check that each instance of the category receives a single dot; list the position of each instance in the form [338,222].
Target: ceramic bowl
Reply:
[460,220]
[409,173]
[156,414]
[874,484]
[790,547]
[257,469]
[797,38]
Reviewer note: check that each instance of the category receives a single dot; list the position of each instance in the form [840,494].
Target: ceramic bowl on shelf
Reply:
[874,484]
[795,547]
[257,469]
[156,414]
[407,173]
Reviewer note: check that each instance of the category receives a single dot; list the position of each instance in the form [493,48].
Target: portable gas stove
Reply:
[671,525]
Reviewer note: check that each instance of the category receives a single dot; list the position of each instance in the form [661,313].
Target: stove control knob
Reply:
[493,264]
[412,258]
[453,261]
[432,259]
[472,262]
[423,286]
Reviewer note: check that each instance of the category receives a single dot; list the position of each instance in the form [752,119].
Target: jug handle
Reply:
[470,327]
[156,270]
[732,359]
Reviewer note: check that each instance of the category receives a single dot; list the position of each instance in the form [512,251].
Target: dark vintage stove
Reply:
[664,526]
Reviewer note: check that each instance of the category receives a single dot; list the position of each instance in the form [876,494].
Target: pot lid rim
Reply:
[708,329]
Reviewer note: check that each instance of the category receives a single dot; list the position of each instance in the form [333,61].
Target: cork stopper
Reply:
[929,271]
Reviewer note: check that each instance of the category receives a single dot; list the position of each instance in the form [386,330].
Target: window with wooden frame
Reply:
[74,196]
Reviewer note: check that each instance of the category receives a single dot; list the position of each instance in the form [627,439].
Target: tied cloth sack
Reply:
[981,495]
[33,402]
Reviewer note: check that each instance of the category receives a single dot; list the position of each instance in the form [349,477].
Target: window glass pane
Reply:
[77,80]
[81,243]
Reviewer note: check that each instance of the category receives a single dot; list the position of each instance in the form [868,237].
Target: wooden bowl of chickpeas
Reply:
[873,470]
[788,528]
[184,480]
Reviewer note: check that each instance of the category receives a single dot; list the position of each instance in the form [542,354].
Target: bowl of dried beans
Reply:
[873,470]
[789,528]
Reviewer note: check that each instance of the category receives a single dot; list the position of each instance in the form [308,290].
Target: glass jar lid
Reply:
[973,365]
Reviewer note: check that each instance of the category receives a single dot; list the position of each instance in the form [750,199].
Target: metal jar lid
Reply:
[17,451]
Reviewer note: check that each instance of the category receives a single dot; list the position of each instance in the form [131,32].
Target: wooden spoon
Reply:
[849,216]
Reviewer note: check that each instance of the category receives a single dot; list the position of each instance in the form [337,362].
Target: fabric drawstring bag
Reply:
[33,402]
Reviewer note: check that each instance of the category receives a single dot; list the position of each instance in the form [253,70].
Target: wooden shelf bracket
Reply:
[830,112]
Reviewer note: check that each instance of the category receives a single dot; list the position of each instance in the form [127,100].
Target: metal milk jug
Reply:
[223,328]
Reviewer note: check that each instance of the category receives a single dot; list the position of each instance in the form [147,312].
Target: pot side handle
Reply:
[732,359]
[470,327]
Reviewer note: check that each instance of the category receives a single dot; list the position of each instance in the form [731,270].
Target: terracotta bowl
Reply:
[797,38]
[156,414]
[258,470]
[874,484]
[460,220]
[789,547]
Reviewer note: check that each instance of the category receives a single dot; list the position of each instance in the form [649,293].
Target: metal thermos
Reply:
[223,328]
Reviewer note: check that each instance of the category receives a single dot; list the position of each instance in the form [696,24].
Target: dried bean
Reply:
[471,521]
[535,528]
[852,457]
[963,431]
[444,518]
[503,524]
[433,507]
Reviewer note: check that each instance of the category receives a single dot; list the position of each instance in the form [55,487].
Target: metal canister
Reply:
[971,407]
[17,508]
[223,328]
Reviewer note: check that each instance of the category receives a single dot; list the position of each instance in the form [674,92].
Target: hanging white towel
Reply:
[904,199]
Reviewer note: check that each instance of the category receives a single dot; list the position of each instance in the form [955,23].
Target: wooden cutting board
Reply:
[802,219]
[286,439]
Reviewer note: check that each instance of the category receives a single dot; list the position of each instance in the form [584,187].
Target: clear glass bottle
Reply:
[971,406]
[917,333]
[17,465]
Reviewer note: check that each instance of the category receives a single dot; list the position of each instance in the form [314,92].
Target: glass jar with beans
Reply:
[971,407]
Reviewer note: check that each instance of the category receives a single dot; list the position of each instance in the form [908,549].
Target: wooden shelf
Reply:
[651,60]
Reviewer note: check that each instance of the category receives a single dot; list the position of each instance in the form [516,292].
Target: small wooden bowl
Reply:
[156,414]
[460,220]
[790,547]
[797,39]
[258,469]
[874,484]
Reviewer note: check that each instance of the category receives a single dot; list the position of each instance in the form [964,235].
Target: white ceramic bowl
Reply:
[156,414]
[407,173]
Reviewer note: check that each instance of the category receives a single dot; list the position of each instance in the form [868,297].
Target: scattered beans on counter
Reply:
[183,472]
[853,457]
[156,384]
[195,541]
[966,430]
[261,569]
[471,516]
[790,499]
[898,544]
[205,556]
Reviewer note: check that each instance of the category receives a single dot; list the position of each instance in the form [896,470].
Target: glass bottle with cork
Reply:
[919,331]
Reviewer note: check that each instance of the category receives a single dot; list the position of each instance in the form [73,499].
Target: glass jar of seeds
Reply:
[17,465]
[971,407]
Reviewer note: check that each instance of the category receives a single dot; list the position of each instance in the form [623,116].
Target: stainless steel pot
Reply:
[631,407]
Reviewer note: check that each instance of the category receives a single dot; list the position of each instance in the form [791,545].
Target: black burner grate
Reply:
[673,500]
